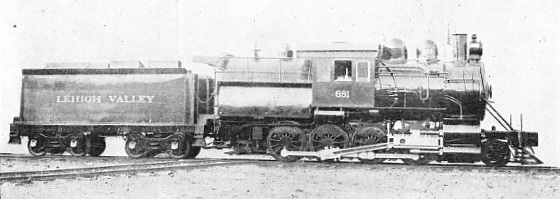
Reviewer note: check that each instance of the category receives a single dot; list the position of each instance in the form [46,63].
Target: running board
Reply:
[334,153]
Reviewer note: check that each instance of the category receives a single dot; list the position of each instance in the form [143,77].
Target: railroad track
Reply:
[165,164]
[438,167]
[473,168]
[92,171]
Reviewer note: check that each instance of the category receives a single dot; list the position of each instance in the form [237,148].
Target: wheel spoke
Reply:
[338,136]
[277,149]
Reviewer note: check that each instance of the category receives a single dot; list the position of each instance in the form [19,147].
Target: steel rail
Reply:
[89,171]
[483,168]
[450,167]
[201,163]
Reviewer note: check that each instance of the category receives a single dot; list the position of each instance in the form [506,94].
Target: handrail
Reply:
[491,108]
[494,116]
[456,101]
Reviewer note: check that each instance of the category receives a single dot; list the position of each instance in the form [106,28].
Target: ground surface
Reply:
[280,180]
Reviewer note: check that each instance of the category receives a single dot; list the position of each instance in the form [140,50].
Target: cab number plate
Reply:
[342,94]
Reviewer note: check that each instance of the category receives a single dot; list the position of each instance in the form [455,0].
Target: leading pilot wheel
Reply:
[134,146]
[495,153]
[37,146]
[97,147]
[285,137]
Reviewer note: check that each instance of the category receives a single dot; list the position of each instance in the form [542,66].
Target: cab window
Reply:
[323,71]
[363,71]
[306,70]
[343,70]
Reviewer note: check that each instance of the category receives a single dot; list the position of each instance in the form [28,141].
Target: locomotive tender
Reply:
[367,102]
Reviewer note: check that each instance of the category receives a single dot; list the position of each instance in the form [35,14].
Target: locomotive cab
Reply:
[343,75]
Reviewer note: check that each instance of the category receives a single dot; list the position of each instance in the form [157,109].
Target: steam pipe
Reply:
[427,92]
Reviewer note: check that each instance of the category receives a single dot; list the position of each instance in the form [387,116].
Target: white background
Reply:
[521,40]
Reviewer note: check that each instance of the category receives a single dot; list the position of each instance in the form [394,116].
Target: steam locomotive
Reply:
[367,102]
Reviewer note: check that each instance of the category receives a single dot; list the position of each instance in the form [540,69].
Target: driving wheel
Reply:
[368,135]
[285,137]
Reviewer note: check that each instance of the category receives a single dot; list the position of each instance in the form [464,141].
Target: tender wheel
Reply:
[98,146]
[79,145]
[291,138]
[368,135]
[134,146]
[180,146]
[327,135]
[57,151]
[495,153]
[195,150]
[152,154]
[37,146]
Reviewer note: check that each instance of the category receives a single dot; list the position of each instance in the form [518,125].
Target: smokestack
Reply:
[459,43]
